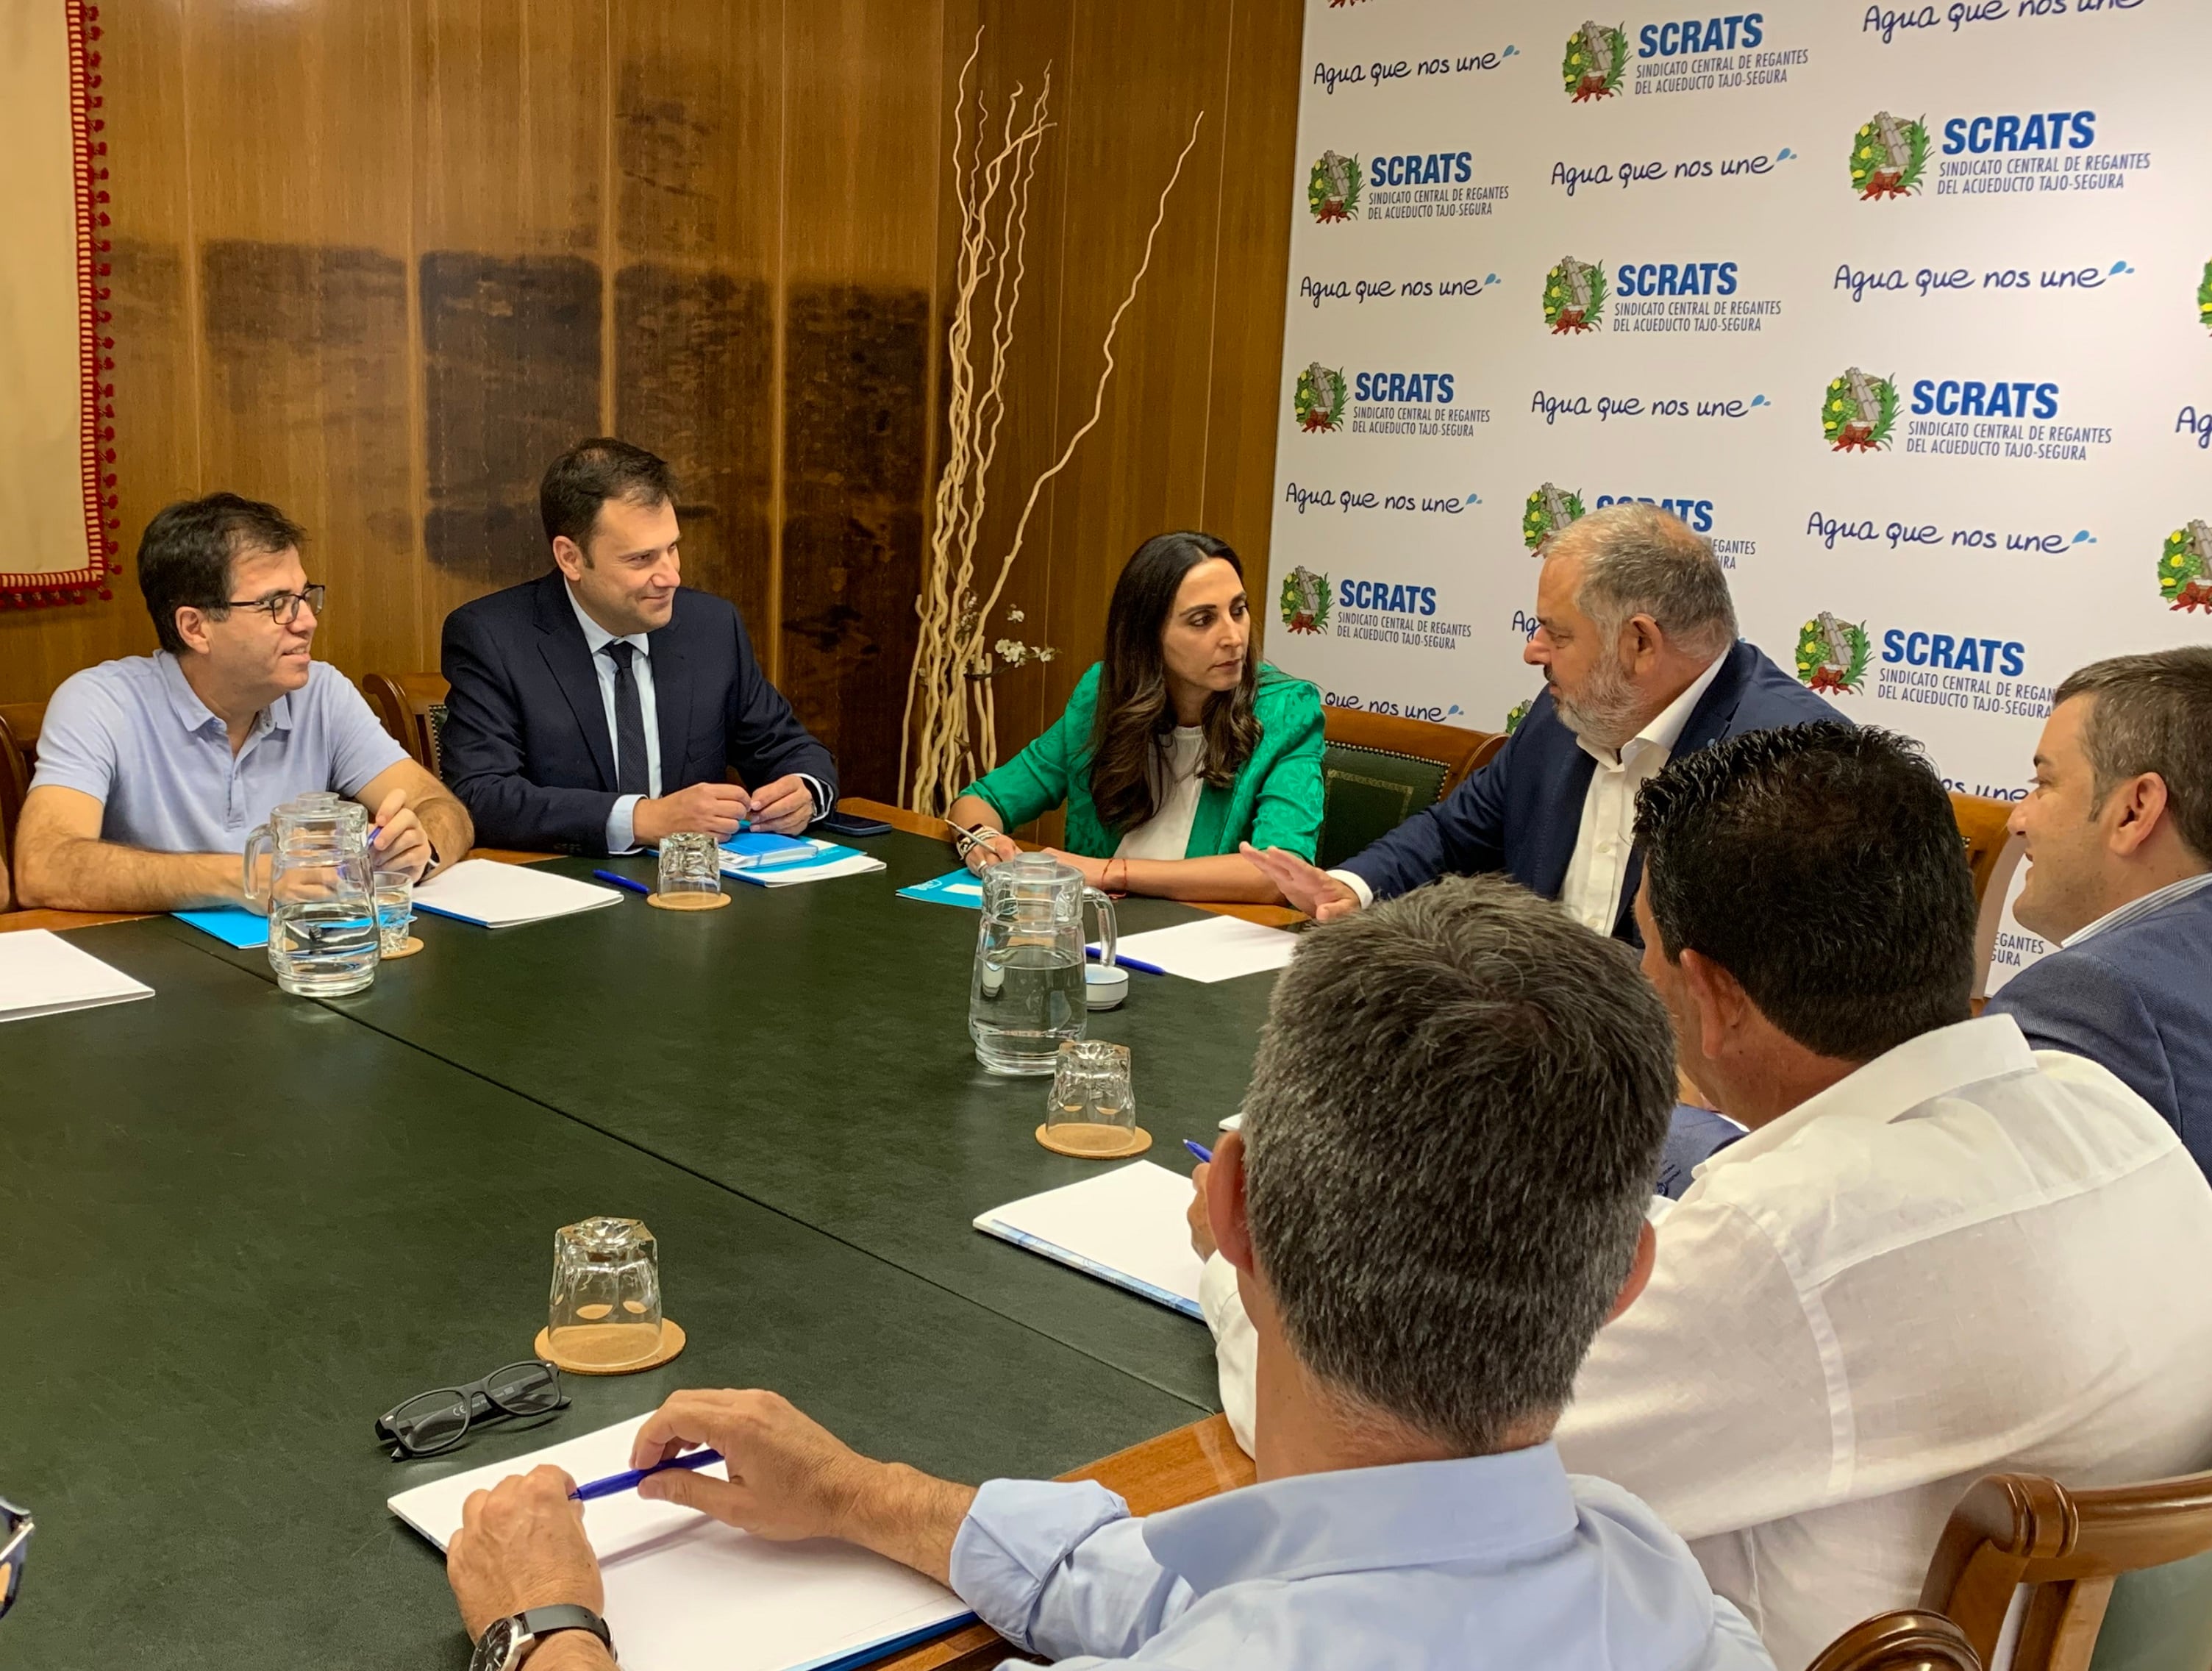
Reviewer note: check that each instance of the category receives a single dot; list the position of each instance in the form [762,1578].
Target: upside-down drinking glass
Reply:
[605,1306]
[1092,1109]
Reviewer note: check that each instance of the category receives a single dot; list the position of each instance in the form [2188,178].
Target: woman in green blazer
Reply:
[1172,750]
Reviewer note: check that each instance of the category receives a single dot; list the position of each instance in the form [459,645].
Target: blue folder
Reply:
[233,925]
[953,888]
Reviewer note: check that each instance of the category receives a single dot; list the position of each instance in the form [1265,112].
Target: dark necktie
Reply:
[630,777]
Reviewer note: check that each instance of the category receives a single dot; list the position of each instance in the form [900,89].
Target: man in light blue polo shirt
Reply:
[1436,1198]
[154,769]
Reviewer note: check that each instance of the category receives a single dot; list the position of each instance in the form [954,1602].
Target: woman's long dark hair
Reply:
[1135,716]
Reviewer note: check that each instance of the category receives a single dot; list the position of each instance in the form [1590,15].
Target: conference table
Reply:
[241,1224]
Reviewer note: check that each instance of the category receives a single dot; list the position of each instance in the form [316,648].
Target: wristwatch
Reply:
[506,1643]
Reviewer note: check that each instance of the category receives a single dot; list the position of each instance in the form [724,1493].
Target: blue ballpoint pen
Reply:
[621,881]
[615,1483]
[1095,955]
[1200,1150]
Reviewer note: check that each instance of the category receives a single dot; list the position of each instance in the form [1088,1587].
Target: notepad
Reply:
[42,974]
[953,888]
[685,1593]
[1216,949]
[827,860]
[1127,1227]
[234,925]
[491,895]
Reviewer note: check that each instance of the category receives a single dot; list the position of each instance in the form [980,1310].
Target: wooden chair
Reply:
[19,758]
[1993,854]
[1377,771]
[412,708]
[2119,1579]
[1901,1641]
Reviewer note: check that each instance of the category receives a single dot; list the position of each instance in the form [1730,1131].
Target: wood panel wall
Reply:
[378,260]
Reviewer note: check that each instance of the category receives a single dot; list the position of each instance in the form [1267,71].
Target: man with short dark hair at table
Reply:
[1637,637]
[1424,1276]
[2119,856]
[1937,1255]
[154,769]
[597,708]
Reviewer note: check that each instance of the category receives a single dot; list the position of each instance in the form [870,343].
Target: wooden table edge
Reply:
[63,921]
[915,823]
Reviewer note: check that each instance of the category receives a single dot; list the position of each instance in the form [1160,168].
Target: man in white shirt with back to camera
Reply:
[1424,1278]
[1937,1255]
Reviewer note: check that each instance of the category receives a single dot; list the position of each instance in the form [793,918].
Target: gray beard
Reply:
[1604,715]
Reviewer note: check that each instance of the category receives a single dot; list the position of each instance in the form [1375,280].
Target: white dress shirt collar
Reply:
[596,637]
[2141,906]
[1933,1065]
[1666,727]
[1514,1506]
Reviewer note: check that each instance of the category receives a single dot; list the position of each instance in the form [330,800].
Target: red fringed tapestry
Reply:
[56,349]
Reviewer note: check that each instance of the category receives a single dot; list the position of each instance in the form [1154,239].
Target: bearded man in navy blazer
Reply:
[596,708]
[1636,636]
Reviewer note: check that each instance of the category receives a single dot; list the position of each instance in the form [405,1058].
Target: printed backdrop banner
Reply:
[1909,309]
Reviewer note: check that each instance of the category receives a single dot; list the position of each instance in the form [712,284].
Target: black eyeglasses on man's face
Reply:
[15,1530]
[283,607]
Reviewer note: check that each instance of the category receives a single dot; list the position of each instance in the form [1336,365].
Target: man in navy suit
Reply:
[2119,851]
[1636,636]
[596,708]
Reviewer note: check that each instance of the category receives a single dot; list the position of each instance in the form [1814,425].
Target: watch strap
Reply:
[538,1623]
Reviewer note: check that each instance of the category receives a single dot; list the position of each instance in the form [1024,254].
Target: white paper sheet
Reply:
[1125,1227]
[42,974]
[1216,949]
[685,1593]
[496,895]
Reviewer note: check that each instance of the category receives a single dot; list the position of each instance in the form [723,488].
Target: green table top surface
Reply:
[807,1048]
[242,1224]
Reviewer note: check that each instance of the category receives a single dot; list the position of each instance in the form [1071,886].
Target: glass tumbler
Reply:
[393,892]
[604,1312]
[690,869]
[1092,1109]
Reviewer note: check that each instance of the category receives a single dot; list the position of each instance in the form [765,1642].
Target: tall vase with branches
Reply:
[951,718]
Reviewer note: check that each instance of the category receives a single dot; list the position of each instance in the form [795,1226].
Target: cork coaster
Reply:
[688,902]
[409,949]
[1084,1141]
[671,1342]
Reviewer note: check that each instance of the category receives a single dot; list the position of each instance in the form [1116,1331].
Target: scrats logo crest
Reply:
[1549,509]
[2184,567]
[1889,156]
[1859,412]
[1832,654]
[1574,296]
[1305,600]
[1317,401]
[1596,59]
[1332,188]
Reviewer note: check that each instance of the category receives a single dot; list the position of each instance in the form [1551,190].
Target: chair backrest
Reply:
[19,758]
[1378,770]
[2119,1579]
[412,708]
[1907,1640]
[1993,854]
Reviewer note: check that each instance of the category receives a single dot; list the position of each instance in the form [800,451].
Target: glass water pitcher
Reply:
[322,915]
[1027,993]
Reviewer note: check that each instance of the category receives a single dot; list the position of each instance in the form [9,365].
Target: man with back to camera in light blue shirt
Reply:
[154,769]
[1424,1278]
